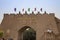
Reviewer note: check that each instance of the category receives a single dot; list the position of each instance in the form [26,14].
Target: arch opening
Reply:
[26,33]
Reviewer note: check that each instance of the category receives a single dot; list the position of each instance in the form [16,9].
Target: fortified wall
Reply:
[39,22]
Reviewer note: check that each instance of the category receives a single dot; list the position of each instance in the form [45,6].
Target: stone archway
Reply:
[26,33]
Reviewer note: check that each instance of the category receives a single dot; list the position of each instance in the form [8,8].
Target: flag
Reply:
[15,9]
[34,9]
[41,9]
[29,9]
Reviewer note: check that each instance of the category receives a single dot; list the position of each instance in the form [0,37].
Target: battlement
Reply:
[20,14]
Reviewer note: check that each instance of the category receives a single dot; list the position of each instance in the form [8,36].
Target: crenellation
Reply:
[45,14]
[12,14]
[39,14]
[6,15]
[32,12]
[19,12]
[29,14]
[52,14]
[26,14]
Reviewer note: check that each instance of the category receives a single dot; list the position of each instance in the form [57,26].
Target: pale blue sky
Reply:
[7,6]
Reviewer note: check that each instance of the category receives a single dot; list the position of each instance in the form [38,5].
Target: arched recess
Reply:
[26,33]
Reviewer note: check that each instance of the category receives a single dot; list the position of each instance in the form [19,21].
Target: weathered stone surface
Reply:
[39,22]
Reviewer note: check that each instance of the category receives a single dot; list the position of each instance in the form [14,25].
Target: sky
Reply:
[50,6]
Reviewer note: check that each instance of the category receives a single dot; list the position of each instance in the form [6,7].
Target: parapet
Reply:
[52,14]
[6,14]
[20,14]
